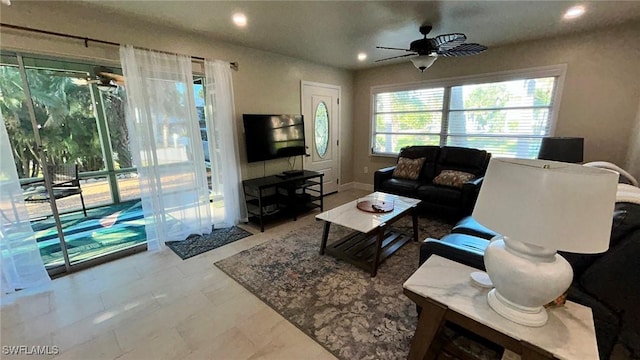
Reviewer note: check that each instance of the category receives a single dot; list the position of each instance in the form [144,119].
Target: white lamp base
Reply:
[524,315]
[526,277]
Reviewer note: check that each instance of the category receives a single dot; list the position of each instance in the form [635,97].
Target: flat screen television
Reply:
[273,136]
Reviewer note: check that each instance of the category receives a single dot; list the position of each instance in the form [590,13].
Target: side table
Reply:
[444,291]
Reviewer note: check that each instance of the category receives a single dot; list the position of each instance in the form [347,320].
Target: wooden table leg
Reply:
[325,236]
[429,324]
[532,352]
[414,217]
[261,209]
[376,258]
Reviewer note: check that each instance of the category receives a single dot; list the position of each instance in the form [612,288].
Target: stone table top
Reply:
[350,216]
[569,333]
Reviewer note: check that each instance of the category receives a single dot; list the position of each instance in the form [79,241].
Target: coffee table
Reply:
[373,239]
[444,291]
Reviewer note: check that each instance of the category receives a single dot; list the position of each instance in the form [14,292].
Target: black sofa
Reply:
[444,200]
[608,283]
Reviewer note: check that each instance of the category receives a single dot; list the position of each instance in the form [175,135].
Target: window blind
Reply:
[506,118]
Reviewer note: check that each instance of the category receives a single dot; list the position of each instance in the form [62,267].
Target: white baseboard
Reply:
[344,187]
[356,185]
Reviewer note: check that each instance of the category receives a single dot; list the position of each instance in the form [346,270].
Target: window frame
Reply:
[557,71]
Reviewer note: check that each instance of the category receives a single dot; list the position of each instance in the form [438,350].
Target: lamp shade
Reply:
[550,204]
[565,149]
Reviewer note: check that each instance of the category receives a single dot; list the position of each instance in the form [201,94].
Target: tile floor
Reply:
[157,306]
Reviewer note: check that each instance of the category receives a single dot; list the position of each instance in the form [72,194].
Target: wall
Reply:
[633,157]
[265,83]
[599,100]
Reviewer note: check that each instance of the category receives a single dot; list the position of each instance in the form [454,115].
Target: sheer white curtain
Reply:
[22,265]
[223,144]
[167,148]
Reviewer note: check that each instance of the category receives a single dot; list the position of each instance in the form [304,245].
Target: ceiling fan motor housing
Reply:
[422,46]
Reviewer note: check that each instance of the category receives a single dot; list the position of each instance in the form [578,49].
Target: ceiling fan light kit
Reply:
[423,62]
[425,51]
[107,87]
[104,79]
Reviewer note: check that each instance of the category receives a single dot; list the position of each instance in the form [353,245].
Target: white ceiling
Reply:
[334,32]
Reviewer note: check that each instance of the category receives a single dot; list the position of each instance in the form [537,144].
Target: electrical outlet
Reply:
[366,170]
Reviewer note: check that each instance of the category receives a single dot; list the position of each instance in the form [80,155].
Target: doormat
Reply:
[197,244]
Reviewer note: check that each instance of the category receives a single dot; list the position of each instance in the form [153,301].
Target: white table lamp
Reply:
[540,207]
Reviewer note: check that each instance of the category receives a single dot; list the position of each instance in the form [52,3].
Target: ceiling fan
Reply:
[425,51]
[105,80]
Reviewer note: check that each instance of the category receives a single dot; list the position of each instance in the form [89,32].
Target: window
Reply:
[321,131]
[505,114]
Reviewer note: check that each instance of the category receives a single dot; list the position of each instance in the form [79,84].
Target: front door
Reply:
[321,110]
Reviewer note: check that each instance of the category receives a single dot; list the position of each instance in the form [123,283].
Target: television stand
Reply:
[277,195]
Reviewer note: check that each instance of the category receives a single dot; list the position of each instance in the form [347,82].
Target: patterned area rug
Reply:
[340,306]
[197,244]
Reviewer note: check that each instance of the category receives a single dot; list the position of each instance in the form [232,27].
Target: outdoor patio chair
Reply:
[64,182]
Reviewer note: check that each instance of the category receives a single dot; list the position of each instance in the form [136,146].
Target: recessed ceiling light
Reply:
[574,12]
[362,56]
[240,19]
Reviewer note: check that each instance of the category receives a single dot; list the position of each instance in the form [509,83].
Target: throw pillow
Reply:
[408,168]
[452,178]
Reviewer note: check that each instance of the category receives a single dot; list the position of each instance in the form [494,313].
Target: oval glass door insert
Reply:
[321,129]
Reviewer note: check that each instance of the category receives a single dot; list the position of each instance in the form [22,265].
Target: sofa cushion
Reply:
[473,161]
[614,279]
[429,153]
[626,219]
[439,194]
[452,178]
[471,226]
[620,228]
[399,186]
[606,321]
[462,248]
[408,168]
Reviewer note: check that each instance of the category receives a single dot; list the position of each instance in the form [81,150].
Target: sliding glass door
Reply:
[77,123]
[79,119]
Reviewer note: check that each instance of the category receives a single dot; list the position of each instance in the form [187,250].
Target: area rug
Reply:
[340,306]
[198,244]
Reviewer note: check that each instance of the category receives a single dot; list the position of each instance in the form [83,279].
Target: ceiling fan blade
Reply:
[117,78]
[71,74]
[112,76]
[83,81]
[391,48]
[448,41]
[395,57]
[463,50]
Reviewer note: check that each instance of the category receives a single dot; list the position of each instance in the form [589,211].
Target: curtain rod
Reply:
[234,65]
